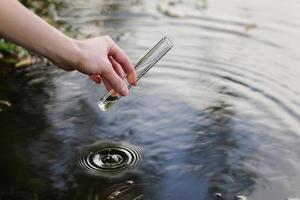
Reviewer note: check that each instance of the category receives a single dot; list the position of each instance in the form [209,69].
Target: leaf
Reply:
[24,62]
[11,60]
[5,103]
[7,47]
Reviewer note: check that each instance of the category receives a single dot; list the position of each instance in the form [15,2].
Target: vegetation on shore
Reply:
[12,55]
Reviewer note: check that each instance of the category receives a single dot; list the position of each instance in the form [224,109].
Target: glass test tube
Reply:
[142,67]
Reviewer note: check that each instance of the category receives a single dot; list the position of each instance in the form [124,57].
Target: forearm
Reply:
[98,56]
[23,27]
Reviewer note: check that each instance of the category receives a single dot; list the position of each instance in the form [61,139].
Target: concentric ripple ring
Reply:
[106,158]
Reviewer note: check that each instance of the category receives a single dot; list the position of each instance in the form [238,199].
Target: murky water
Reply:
[218,118]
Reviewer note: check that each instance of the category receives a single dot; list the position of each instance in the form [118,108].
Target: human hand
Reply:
[102,59]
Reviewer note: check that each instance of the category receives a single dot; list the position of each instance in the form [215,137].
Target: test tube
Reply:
[142,67]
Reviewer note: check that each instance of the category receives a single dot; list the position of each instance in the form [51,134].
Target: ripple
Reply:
[218,113]
[125,191]
[106,158]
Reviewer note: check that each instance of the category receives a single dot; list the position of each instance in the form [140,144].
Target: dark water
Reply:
[217,118]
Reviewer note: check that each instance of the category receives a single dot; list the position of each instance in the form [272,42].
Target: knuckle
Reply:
[116,81]
[107,38]
[106,67]
[106,71]
[119,85]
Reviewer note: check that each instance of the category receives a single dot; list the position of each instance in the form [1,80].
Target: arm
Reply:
[96,56]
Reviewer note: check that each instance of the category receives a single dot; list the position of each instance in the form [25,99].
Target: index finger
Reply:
[119,56]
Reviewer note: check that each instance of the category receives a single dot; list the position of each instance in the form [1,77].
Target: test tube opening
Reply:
[168,41]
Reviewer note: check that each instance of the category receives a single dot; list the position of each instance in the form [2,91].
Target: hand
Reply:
[100,56]
[103,59]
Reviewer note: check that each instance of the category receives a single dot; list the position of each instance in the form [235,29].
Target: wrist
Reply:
[78,57]
[66,54]
[71,54]
[75,54]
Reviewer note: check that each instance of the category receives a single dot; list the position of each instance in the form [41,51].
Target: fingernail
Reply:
[114,94]
[134,83]
[131,77]
[124,91]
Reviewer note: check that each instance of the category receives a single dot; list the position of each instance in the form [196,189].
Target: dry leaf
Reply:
[4,105]
[24,62]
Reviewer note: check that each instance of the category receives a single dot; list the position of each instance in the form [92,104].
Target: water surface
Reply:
[218,115]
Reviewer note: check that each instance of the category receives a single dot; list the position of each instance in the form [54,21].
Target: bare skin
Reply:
[100,57]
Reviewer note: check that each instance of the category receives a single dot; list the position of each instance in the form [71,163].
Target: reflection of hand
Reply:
[102,58]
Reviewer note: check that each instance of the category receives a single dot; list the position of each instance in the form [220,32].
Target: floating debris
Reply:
[130,182]
[26,61]
[183,8]
[109,158]
[240,197]
[4,105]
[249,27]
[218,196]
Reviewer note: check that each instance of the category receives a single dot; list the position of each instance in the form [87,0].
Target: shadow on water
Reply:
[19,127]
[212,163]
[218,147]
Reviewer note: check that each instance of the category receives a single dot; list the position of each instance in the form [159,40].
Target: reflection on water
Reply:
[217,119]
[129,191]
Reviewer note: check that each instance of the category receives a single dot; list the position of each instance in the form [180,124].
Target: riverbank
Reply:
[14,56]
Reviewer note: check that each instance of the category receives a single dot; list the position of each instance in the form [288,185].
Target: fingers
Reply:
[114,80]
[111,65]
[117,67]
[96,78]
[108,87]
[131,77]
[120,57]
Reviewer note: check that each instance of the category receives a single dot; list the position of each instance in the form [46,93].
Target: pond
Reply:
[217,118]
